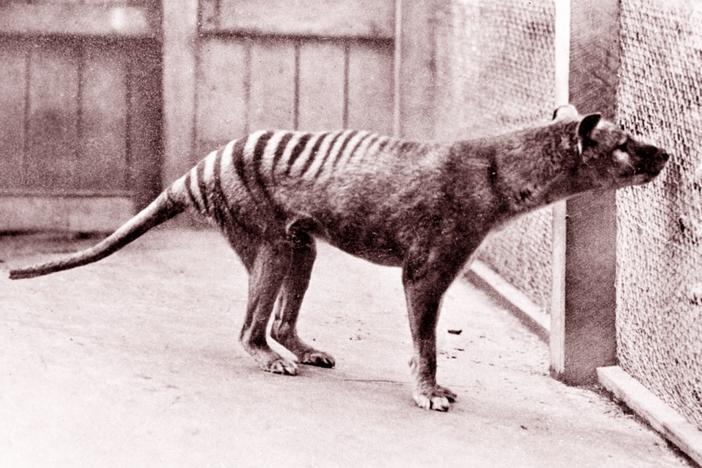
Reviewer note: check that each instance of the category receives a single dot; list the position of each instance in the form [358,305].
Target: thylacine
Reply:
[423,207]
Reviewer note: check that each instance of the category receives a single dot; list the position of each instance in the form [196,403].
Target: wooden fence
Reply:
[105,102]
[80,108]
[113,100]
[238,66]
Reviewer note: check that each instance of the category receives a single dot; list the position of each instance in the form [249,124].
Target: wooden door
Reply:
[292,64]
[80,111]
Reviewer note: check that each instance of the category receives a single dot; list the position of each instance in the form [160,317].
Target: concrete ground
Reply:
[134,361]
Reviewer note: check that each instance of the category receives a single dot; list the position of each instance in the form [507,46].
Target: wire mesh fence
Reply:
[659,242]
[495,70]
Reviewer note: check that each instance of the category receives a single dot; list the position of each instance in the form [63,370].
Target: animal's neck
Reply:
[528,169]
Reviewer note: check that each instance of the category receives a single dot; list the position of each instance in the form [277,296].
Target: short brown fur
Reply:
[424,207]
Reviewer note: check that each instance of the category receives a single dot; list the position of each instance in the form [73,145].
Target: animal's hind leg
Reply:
[268,269]
[289,301]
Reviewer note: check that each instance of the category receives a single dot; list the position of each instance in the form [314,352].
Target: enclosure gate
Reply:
[239,66]
[79,111]
[105,102]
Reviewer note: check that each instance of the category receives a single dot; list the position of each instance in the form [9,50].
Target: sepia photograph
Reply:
[351,233]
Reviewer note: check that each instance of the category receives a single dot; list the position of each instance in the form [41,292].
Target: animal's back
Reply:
[344,186]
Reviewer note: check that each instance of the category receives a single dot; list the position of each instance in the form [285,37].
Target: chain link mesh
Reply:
[659,241]
[495,69]
[495,72]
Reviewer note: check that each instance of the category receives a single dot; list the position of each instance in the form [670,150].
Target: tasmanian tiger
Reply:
[424,207]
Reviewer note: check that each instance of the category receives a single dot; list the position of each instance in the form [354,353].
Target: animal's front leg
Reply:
[425,282]
[423,309]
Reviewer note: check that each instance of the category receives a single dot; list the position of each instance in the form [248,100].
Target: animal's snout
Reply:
[662,155]
[655,161]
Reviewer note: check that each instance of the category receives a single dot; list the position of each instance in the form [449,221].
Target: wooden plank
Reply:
[321,86]
[145,117]
[531,315]
[664,419]
[415,69]
[179,48]
[209,14]
[13,74]
[370,87]
[78,214]
[584,326]
[328,18]
[103,121]
[52,145]
[72,19]
[272,93]
[221,91]
[558,221]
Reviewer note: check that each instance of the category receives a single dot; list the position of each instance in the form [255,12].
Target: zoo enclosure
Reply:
[620,273]
[116,96]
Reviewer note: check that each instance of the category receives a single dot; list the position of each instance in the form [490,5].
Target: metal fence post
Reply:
[583,334]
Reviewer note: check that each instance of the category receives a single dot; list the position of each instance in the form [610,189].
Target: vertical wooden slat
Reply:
[145,116]
[102,149]
[179,80]
[370,98]
[321,86]
[53,116]
[415,69]
[584,333]
[371,19]
[272,93]
[13,56]
[209,13]
[221,92]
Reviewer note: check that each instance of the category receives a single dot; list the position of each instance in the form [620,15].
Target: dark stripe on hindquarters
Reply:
[257,157]
[297,151]
[200,176]
[189,191]
[220,199]
[314,150]
[259,150]
[331,149]
[378,150]
[355,147]
[238,163]
[216,200]
[260,147]
[279,150]
[373,138]
[340,154]
[324,156]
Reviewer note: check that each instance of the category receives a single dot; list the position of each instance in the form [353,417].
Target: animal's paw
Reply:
[437,398]
[313,357]
[280,365]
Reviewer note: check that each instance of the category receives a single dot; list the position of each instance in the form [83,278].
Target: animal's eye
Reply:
[622,146]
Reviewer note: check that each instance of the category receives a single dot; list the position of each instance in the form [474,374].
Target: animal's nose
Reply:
[663,156]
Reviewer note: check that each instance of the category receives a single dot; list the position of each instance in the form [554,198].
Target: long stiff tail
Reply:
[160,210]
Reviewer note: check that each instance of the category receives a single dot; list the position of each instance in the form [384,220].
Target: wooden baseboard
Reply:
[664,419]
[531,315]
[64,213]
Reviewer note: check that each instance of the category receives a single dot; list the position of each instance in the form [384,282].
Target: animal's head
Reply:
[607,156]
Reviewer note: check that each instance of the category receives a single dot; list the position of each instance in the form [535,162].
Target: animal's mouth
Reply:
[646,170]
[652,165]
[655,165]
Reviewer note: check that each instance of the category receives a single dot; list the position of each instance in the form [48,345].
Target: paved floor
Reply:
[134,361]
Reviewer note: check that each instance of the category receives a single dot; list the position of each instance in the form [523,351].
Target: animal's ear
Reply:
[587,125]
[567,110]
